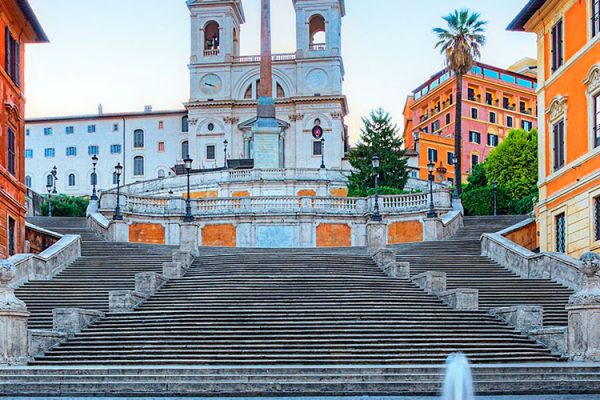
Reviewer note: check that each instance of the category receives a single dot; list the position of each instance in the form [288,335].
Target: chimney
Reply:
[147,109]
[100,109]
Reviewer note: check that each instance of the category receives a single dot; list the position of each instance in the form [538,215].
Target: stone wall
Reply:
[147,233]
[405,232]
[39,239]
[219,235]
[334,235]
[525,236]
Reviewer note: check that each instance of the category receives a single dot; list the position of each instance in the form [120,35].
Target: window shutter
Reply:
[8,50]
[17,64]
[560,43]
[562,143]
[555,147]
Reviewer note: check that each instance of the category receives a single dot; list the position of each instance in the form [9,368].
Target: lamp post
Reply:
[376,215]
[54,179]
[49,189]
[118,172]
[225,143]
[323,153]
[495,198]
[94,178]
[188,203]
[455,194]
[431,169]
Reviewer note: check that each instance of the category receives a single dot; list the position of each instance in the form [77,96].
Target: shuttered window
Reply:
[557,45]
[12,61]
[559,144]
[11,152]
[561,232]
[596,120]
[597,218]
[595,17]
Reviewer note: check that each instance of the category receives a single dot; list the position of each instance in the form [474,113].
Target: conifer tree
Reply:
[379,136]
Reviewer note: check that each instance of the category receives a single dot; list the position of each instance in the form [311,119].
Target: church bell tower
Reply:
[319,27]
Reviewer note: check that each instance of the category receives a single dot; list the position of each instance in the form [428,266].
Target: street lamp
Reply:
[54,179]
[431,169]
[455,194]
[188,203]
[225,143]
[94,178]
[323,153]
[49,189]
[118,172]
[376,215]
[495,198]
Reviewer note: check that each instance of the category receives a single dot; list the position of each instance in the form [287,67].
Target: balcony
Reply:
[256,58]
[212,52]
[318,47]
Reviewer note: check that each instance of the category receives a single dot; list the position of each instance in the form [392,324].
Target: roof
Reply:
[35,23]
[104,116]
[518,24]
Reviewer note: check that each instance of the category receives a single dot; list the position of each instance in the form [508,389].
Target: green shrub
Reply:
[481,201]
[66,206]
[524,205]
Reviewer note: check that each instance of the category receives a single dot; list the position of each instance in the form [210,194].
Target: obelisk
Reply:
[266,131]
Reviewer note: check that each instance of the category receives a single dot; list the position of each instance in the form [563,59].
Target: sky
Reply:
[125,54]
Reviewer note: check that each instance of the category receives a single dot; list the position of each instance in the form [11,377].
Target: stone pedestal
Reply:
[523,317]
[71,321]
[584,314]
[462,299]
[189,238]
[376,236]
[14,340]
[267,152]
[148,283]
[433,229]
[433,282]
[119,231]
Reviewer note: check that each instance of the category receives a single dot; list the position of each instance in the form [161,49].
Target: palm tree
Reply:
[460,44]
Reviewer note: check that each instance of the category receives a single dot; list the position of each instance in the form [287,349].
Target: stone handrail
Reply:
[256,58]
[527,264]
[99,224]
[165,206]
[47,264]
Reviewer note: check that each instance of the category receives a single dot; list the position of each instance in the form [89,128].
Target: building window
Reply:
[12,55]
[432,155]
[561,233]
[11,161]
[448,117]
[210,152]
[47,131]
[474,160]
[450,158]
[71,151]
[161,173]
[28,181]
[471,94]
[596,119]
[115,127]
[138,166]
[69,130]
[492,140]
[28,153]
[317,148]
[161,147]
[91,128]
[558,131]
[526,125]
[597,218]
[489,99]
[474,113]
[185,124]
[49,152]
[11,237]
[595,17]
[211,127]
[115,149]
[474,137]
[93,150]
[510,121]
[138,139]
[71,180]
[185,150]
[161,124]
[493,117]
[27,132]
[435,126]
[557,45]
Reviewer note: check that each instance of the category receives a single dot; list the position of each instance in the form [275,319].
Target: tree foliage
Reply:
[66,206]
[514,163]
[379,136]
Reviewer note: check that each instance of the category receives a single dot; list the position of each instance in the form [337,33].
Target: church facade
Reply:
[215,129]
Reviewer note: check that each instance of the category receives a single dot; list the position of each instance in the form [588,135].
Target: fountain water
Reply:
[458,384]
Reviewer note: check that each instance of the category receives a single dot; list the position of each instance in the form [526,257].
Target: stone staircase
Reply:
[103,266]
[291,307]
[461,260]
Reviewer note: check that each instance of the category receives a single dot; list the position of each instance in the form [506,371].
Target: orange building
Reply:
[495,101]
[568,35]
[18,27]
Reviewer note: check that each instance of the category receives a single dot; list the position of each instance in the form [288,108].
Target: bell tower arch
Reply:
[319,27]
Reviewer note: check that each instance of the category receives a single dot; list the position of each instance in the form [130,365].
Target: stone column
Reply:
[376,236]
[14,341]
[119,231]
[189,238]
[584,314]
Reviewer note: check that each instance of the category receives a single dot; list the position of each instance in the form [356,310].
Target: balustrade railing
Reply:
[324,205]
[256,58]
